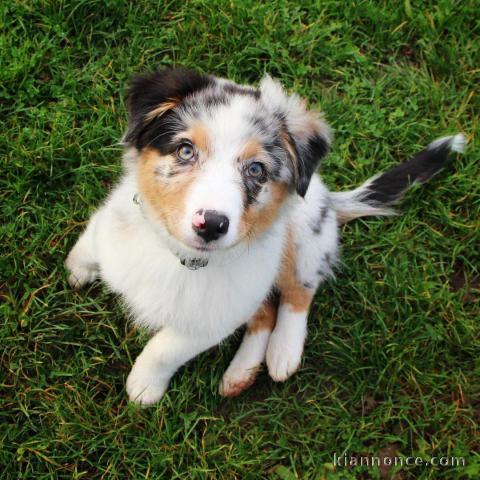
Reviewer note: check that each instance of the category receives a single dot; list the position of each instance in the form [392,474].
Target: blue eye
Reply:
[255,170]
[186,152]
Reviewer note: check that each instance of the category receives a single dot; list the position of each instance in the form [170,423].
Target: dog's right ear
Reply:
[153,95]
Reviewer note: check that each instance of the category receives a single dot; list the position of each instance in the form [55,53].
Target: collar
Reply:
[191,263]
[194,263]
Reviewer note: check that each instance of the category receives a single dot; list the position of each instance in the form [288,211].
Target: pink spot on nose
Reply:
[199,219]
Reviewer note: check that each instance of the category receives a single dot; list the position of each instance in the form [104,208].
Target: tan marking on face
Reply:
[167,198]
[291,290]
[264,318]
[257,218]
[161,109]
[198,135]
[252,149]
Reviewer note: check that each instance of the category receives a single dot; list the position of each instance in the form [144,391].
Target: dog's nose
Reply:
[210,224]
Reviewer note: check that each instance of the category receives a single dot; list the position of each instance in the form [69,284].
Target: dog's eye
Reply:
[186,152]
[255,170]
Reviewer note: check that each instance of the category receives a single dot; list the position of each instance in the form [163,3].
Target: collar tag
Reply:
[194,263]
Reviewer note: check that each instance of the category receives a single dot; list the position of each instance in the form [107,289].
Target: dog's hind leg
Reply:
[244,367]
[81,261]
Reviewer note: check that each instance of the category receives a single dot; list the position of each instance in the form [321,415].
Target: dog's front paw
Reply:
[284,355]
[144,386]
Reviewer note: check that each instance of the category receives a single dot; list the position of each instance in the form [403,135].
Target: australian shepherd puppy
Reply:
[219,221]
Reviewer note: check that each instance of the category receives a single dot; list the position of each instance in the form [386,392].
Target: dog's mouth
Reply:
[205,248]
[196,244]
[192,248]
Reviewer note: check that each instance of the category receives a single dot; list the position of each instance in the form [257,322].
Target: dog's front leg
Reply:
[162,356]
[244,367]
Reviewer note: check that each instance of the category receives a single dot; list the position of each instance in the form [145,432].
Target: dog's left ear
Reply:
[306,136]
[153,95]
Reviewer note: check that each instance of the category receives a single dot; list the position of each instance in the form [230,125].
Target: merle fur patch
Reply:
[317,225]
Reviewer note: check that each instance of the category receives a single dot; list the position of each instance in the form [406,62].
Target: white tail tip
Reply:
[456,142]
[459,142]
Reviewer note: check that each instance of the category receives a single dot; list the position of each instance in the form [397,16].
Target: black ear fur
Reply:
[305,154]
[148,92]
[309,153]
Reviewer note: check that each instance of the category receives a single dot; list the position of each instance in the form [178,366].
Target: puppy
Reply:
[219,221]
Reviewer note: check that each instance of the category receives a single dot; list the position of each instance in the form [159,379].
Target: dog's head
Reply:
[217,160]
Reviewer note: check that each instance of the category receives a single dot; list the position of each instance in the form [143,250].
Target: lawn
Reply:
[392,358]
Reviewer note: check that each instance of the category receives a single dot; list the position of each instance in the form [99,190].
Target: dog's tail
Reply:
[378,194]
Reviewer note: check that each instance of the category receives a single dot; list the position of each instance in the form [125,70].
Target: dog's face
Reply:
[216,160]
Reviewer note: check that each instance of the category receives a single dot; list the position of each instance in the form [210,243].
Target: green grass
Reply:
[392,358]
